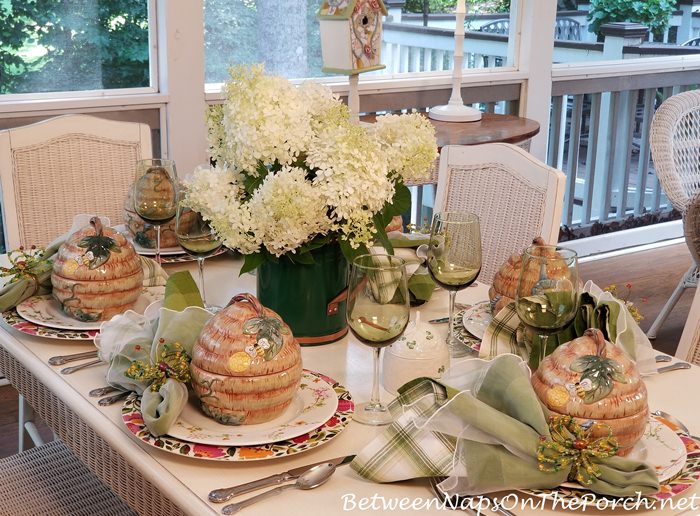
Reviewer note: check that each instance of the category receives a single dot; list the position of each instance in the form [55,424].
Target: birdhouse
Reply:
[351,35]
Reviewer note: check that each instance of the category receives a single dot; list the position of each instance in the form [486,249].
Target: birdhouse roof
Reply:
[342,9]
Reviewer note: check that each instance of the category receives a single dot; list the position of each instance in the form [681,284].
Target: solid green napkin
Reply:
[21,287]
[420,285]
[481,427]
[181,291]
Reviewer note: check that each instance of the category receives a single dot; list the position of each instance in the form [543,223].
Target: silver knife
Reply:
[226,493]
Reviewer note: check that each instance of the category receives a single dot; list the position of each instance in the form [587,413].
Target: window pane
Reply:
[285,35]
[580,35]
[50,46]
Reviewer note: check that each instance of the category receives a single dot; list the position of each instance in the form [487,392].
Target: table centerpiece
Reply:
[298,189]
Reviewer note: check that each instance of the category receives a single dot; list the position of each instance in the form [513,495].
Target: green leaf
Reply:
[401,202]
[602,386]
[252,262]
[251,183]
[380,226]
[582,363]
[252,326]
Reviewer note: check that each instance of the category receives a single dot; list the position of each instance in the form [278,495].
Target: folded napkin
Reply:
[420,284]
[598,309]
[483,427]
[135,346]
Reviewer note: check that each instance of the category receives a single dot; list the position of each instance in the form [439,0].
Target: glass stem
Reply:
[158,244]
[453,296]
[200,267]
[374,398]
[543,347]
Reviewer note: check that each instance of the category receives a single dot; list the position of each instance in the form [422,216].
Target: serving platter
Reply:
[133,419]
[313,404]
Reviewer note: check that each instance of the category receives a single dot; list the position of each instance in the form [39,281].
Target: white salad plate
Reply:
[477,318]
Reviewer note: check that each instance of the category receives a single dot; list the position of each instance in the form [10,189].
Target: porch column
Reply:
[617,111]
[533,55]
[685,30]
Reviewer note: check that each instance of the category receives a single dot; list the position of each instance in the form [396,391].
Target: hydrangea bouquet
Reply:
[293,173]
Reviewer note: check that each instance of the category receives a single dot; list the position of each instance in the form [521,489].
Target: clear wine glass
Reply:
[155,193]
[196,237]
[377,312]
[454,261]
[547,296]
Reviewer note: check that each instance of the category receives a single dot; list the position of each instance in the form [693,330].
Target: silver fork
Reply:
[73,369]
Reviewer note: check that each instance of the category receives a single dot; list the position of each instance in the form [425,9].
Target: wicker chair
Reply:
[516,197]
[51,480]
[52,170]
[675,149]
[62,166]
[689,345]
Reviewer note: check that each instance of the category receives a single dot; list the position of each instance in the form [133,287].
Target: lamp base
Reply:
[454,113]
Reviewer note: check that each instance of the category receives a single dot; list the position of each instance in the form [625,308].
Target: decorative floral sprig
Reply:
[573,446]
[25,263]
[174,363]
[625,298]
[293,173]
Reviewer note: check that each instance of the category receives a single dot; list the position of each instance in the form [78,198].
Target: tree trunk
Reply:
[282,37]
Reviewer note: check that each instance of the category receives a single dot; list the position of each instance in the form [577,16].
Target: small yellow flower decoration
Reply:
[174,363]
[572,445]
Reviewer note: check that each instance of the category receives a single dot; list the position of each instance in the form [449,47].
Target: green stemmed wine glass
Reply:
[547,296]
[155,193]
[454,261]
[377,312]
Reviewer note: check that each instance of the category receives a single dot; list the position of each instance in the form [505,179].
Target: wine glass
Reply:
[196,237]
[547,295]
[377,311]
[155,193]
[454,261]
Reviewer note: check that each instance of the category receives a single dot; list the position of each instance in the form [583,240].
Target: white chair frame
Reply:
[54,169]
[516,197]
[674,138]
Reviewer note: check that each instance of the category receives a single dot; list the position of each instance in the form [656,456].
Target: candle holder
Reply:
[455,110]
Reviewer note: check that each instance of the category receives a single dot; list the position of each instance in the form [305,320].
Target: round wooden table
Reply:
[491,128]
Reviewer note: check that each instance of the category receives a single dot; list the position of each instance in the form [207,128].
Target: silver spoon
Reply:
[673,420]
[62,359]
[312,478]
[69,370]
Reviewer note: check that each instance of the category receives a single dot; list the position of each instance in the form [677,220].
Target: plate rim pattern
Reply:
[133,419]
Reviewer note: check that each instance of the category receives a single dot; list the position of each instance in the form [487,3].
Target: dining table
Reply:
[155,481]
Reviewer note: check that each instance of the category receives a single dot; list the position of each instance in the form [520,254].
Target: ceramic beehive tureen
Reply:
[505,282]
[595,381]
[246,364]
[97,273]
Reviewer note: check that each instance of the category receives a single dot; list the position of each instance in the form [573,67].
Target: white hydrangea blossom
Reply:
[346,177]
[265,120]
[408,142]
[352,178]
[216,194]
[288,210]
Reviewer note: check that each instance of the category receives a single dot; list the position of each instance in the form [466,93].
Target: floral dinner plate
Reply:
[12,318]
[131,415]
[313,405]
[462,335]
[477,318]
[46,311]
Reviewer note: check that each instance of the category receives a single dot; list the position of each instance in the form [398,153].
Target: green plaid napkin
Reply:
[481,427]
[598,309]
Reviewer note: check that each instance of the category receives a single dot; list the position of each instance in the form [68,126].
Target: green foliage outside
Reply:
[655,14]
[47,45]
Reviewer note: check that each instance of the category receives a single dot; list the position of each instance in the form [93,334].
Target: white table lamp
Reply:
[455,110]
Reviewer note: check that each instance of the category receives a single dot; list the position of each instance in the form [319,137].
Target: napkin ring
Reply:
[573,445]
[23,263]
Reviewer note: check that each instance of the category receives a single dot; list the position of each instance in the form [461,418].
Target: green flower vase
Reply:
[309,298]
